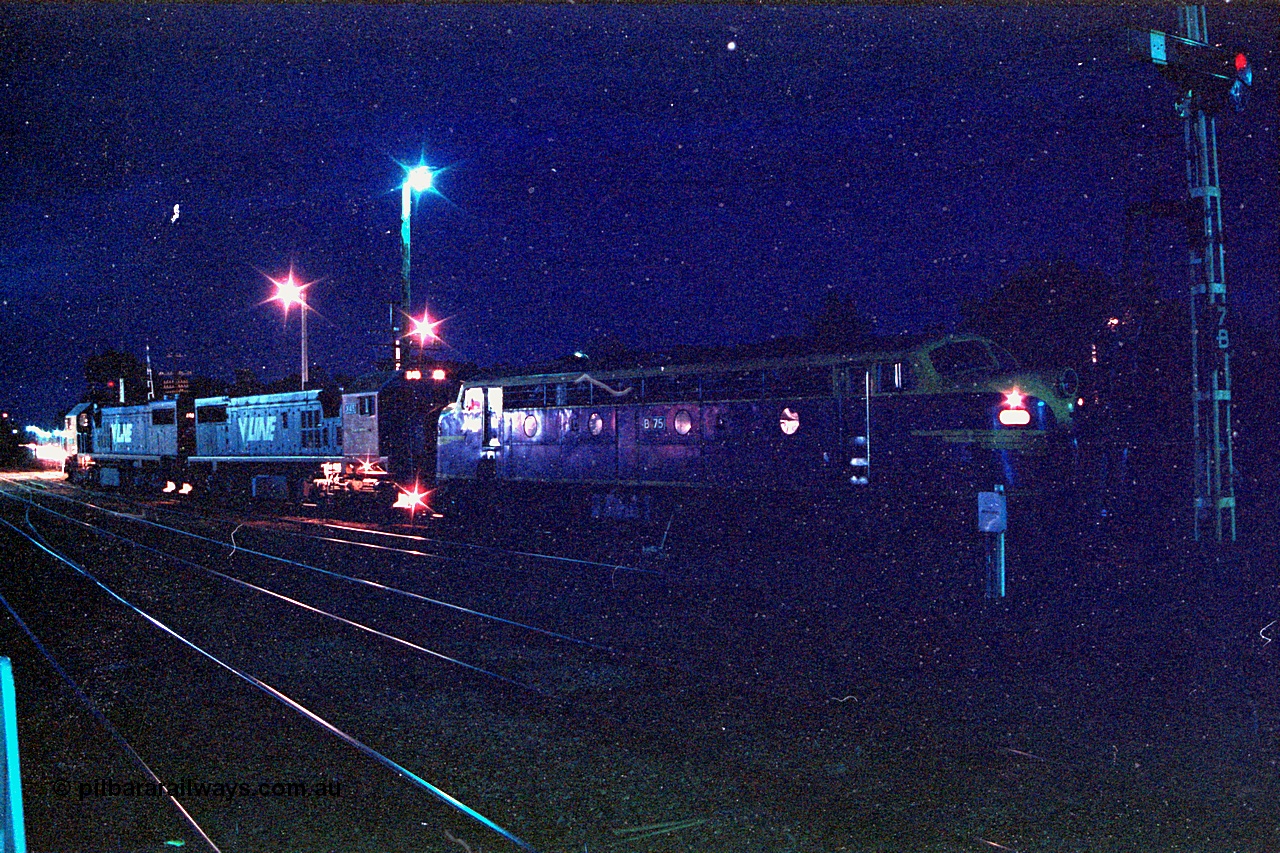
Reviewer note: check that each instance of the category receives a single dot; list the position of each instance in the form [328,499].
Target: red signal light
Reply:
[1242,62]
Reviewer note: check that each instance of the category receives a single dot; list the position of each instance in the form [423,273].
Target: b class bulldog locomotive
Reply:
[949,411]
[362,439]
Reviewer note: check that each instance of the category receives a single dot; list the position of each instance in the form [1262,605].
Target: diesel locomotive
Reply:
[362,439]
[947,412]
[941,414]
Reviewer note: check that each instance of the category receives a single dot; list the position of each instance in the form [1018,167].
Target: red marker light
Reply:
[1242,62]
[411,499]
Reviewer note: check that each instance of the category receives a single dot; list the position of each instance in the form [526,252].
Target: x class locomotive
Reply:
[365,438]
[956,410]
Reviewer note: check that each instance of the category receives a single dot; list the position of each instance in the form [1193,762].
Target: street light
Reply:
[417,180]
[289,292]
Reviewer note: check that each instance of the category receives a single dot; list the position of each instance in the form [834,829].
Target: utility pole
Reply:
[1207,77]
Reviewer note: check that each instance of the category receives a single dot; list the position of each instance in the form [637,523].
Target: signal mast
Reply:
[1207,78]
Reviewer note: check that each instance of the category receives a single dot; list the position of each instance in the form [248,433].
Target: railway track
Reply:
[170,572]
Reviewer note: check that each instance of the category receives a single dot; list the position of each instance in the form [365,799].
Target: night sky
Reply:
[664,175]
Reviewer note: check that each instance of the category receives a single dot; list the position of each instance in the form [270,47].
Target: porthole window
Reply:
[530,426]
[789,422]
[595,423]
[683,422]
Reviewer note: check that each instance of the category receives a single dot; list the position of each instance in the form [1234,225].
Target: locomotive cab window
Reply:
[367,405]
[163,417]
[211,414]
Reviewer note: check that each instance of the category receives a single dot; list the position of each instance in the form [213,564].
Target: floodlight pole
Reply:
[406,292]
[416,180]
[302,304]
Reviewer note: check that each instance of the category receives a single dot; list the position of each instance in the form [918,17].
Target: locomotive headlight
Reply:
[1014,399]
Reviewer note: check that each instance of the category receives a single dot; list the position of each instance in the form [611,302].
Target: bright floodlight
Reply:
[419,179]
[425,329]
[289,291]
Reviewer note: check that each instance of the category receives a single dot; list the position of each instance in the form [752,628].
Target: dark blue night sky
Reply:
[609,171]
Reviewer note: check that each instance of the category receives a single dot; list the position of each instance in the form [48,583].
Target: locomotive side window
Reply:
[526,396]
[683,422]
[367,405]
[211,414]
[313,434]
[803,382]
[732,385]
[960,358]
[670,389]
[163,417]
[595,423]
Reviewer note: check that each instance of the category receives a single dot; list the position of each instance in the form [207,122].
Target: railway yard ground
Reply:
[778,684]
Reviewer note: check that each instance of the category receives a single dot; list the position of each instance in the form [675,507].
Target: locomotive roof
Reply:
[725,365]
[262,399]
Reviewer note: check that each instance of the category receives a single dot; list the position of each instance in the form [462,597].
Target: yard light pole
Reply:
[289,292]
[417,180]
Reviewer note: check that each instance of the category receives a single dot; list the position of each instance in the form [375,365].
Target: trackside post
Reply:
[993,518]
[14,838]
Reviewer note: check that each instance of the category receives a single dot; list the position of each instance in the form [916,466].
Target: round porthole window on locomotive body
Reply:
[789,422]
[530,426]
[595,423]
[683,422]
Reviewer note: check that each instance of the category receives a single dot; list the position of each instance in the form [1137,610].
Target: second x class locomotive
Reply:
[948,411]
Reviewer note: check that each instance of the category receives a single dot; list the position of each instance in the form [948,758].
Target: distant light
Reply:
[413,374]
[1015,417]
[733,45]
[1013,399]
[579,354]
[1113,322]
[438,374]
[419,179]
[49,452]
[169,486]
[1079,401]
[185,490]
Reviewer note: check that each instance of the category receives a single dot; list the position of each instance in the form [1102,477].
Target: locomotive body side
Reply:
[819,423]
